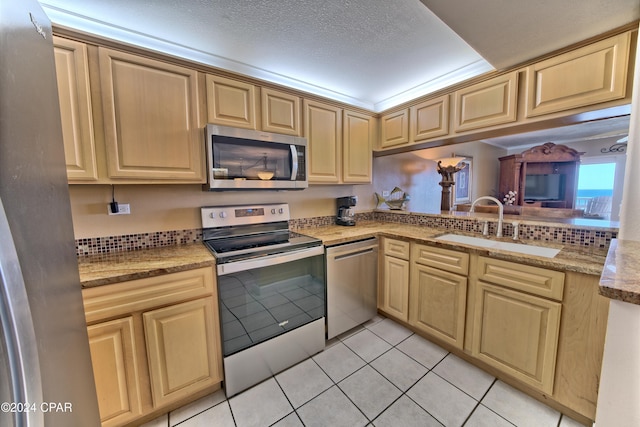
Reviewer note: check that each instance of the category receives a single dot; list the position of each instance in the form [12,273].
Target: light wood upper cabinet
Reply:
[115,370]
[231,102]
[429,119]
[151,121]
[393,292]
[394,129]
[280,112]
[181,350]
[490,103]
[323,130]
[586,76]
[357,139]
[74,94]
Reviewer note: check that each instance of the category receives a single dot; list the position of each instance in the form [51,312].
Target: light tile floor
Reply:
[380,374]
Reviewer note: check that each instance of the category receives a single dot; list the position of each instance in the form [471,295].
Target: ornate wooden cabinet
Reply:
[545,159]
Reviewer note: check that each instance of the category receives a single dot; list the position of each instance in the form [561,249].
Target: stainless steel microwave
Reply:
[243,159]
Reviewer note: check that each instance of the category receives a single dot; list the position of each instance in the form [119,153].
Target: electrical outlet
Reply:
[123,209]
[385,193]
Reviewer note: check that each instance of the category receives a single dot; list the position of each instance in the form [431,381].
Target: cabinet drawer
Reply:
[109,301]
[396,248]
[443,259]
[534,280]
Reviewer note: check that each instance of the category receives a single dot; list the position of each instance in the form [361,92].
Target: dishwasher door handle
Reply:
[353,254]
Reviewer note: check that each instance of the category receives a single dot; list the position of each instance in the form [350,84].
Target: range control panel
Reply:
[223,216]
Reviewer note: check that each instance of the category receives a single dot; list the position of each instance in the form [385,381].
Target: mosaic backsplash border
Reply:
[566,235]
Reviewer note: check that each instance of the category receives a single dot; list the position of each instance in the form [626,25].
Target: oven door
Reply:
[264,297]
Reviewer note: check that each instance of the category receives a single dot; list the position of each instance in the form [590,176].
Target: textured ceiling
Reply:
[371,54]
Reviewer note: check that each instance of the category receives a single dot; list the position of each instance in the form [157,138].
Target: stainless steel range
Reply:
[271,290]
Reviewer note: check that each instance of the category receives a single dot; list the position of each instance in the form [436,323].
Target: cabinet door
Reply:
[395,287]
[323,130]
[115,371]
[517,333]
[358,130]
[438,303]
[150,119]
[74,94]
[489,103]
[280,112]
[586,76]
[429,119]
[182,350]
[394,129]
[230,102]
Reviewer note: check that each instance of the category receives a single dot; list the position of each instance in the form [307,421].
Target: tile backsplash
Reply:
[551,232]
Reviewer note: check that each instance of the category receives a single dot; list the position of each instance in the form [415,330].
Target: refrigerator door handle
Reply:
[18,331]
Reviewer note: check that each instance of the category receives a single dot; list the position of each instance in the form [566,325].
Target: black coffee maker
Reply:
[346,215]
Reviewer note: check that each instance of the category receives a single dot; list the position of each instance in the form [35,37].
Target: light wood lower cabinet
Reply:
[393,293]
[438,303]
[155,343]
[179,339]
[517,333]
[438,292]
[115,370]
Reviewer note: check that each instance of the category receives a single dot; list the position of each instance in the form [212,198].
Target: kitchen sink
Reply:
[505,246]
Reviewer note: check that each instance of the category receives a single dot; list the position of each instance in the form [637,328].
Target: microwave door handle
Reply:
[294,162]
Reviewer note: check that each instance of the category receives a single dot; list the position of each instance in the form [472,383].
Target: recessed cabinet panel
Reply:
[74,94]
[230,102]
[150,118]
[430,119]
[438,303]
[517,333]
[357,139]
[394,129]
[181,350]
[280,112]
[535,280]
[323,130]
[443,259]
[395,287]
[489,103]
[115,371]
[586,76]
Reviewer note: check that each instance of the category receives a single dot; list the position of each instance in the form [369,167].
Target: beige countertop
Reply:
[620,278]
[97,270]
[582,260]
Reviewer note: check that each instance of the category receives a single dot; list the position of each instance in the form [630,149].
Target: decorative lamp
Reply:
[447,167]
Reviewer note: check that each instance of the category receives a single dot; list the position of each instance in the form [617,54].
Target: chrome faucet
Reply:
[500,211]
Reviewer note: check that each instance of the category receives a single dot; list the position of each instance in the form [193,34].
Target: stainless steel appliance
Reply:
[352,285]
[271,290]
[46,377]
[346,215]
[243,159]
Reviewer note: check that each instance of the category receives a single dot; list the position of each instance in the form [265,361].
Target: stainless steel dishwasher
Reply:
[352,285]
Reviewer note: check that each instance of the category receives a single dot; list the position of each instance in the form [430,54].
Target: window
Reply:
[595,189]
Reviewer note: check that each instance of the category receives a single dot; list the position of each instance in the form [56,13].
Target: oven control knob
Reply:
[273,211]
[223,214]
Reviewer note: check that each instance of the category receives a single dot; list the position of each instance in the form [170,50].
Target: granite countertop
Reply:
[572,258]
[97,270]
[620,278]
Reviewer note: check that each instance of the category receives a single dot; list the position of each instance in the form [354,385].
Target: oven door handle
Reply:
[268,260]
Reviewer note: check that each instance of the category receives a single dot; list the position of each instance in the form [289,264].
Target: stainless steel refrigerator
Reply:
[46,378]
